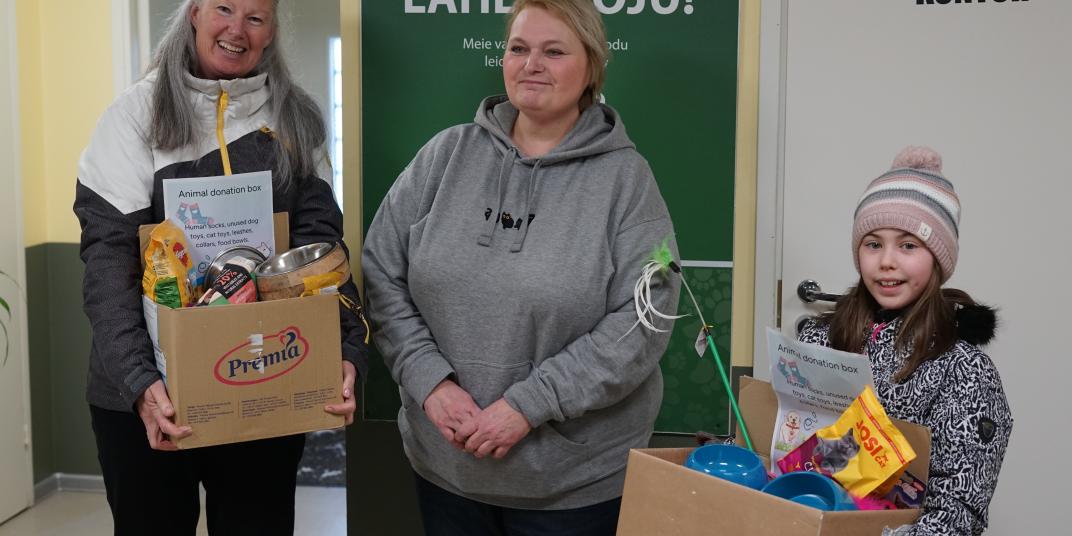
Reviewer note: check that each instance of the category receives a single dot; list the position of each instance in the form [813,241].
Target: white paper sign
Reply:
[218,213]
[814,384]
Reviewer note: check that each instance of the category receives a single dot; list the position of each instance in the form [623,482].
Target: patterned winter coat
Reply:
[960,398]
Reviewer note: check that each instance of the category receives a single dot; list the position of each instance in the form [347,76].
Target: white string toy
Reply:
[661,262]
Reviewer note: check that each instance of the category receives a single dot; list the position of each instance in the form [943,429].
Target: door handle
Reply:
[809,291]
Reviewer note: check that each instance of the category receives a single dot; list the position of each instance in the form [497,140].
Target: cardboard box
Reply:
[250,371]
[663,497]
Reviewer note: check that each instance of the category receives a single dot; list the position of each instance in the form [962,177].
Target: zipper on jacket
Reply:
[876,327]
[221,107]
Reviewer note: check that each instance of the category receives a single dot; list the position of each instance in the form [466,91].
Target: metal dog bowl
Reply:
[293,259]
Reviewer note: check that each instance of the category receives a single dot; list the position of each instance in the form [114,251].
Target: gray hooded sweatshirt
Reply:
[514,276]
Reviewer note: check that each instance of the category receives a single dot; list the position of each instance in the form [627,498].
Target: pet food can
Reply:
[223,257]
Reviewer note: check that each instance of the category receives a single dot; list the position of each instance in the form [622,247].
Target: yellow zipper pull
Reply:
[221,107]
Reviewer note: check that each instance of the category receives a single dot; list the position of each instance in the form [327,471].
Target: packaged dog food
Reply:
[863,450]
[168,267]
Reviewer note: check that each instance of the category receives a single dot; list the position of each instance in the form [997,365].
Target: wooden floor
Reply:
[320,511]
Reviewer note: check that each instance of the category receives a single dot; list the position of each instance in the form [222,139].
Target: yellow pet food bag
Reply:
[865,452]
[167,266]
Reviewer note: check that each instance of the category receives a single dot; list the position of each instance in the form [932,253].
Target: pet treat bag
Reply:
[863,450]
[907,491]
[167,267]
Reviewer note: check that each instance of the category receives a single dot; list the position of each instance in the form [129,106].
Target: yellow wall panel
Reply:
[65,82]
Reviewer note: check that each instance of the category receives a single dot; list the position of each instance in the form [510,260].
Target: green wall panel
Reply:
[71,338]
[693,396]
[41,404]
[59,358]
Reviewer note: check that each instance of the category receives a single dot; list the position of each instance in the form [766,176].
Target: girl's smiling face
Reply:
[895,267]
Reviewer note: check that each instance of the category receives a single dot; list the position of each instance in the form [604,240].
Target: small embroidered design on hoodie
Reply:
[507,220]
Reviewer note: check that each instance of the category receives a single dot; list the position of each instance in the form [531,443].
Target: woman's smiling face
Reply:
[545,67]
[231,36]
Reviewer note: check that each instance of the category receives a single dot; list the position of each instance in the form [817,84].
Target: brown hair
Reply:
[584,20]
[928,331]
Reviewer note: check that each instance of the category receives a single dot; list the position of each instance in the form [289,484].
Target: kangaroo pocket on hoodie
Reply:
[543,463]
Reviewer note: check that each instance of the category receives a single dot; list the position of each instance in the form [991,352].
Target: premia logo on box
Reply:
[260,359]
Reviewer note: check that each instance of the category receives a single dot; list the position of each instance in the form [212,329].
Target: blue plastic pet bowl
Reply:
[729,462]
[811,489]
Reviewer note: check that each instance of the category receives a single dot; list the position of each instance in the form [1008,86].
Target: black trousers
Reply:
[249,487]
[447,514]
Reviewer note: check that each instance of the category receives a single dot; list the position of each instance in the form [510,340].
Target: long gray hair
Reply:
[300,127]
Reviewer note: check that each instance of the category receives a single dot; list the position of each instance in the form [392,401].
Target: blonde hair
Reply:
[584,20]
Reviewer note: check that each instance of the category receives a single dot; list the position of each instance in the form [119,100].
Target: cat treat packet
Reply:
[863,450]
[907,492]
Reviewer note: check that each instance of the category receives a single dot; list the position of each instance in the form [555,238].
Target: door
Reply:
[985,84]
[16,471]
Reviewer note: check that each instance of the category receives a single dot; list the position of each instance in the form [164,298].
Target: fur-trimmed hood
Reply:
[976,323]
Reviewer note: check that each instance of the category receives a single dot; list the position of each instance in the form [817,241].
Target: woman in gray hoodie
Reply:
[500,270]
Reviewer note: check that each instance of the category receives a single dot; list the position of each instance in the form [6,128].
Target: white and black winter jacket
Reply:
[959,396]
[119,188]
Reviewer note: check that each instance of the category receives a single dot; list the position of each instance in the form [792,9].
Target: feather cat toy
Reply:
[662,262]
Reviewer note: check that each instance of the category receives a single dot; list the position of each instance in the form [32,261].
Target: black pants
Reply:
[249,487]
[447,514]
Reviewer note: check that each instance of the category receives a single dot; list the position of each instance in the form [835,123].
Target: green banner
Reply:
[672,76]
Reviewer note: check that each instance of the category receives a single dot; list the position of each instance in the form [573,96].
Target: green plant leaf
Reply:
[6,344]
[7,308]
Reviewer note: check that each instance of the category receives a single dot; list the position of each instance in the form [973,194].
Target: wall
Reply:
[308,32]
[64,85]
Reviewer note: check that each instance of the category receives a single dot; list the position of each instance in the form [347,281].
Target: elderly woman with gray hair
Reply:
[218,99]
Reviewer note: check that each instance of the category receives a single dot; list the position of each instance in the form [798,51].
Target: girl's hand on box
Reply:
[349,403]
[156,411]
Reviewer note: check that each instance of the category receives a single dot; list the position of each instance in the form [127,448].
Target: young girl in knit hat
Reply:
[922,340]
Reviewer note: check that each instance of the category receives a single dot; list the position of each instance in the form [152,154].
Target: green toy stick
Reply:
[718,359]
[662,260]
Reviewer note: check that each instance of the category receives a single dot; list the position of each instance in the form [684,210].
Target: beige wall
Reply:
[65,82]
[350,30]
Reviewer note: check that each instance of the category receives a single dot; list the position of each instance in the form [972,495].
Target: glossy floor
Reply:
[320,511]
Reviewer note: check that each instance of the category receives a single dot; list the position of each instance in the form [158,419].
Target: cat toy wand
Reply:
[661,261]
